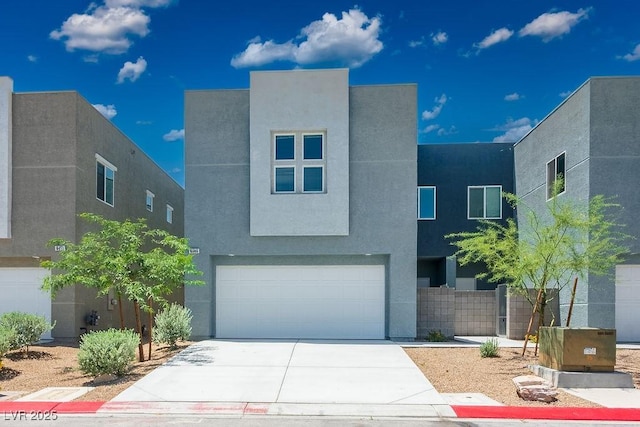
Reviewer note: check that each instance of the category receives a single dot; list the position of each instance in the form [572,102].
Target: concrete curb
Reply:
[13,408]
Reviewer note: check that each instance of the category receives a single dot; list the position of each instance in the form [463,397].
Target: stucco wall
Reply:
[382,169]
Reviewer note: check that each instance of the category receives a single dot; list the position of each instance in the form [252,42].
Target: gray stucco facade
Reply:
[57,139]
[374,222]
[597,130]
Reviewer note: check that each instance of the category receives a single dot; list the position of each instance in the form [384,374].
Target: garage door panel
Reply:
[300,302]
[20,291]
[628,303]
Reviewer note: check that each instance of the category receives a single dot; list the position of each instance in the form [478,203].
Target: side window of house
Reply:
[556,170]
[427,202]
[150,197]
[105,178]
[485,202]
[299,162]
[169,214]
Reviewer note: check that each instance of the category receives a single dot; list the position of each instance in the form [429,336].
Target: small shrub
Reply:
[27,328]
[489,348]
[436,336]
[6,338]
[172,324]
[107,352]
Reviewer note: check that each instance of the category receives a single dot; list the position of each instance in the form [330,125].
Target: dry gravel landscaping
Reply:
[450,370]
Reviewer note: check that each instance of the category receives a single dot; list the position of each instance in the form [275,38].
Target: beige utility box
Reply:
[577,349]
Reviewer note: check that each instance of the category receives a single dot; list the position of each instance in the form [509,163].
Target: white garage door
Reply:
[628,303]
[20,291]
[342,301]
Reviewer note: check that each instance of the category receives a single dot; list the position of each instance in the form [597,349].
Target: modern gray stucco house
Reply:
[458,184]
[300,196]
[59,157]
[592,140]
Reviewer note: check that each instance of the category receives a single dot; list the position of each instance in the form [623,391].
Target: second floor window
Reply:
[299,162]
[150,197]
[105,179]
[427,202]
[485,202]
[556,170]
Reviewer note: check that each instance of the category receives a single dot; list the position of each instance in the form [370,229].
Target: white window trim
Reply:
[484,200]
[434,202]
[150,196]
[289,166]
[321,159]
[295,151]
[169,216]
[555,169]
[107,165]
[323,178]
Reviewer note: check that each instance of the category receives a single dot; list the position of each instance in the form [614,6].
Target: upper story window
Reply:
[556,170]
[485,202]
[149,202]
[105,178]
[299,162]
[427,202]
[169,214]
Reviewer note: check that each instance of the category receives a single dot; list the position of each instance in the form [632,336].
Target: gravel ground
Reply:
[56,365]
[450,370]
[460,370]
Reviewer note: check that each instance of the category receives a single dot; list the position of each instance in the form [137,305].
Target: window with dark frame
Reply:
[484,202]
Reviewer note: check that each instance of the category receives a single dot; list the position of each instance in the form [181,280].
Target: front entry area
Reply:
[300,301]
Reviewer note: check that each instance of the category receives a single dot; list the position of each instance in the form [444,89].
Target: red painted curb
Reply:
[551,413]
[13,407]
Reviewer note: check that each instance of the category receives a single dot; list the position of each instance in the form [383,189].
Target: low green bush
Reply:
[489,348]
[6,338]
[27,328]
[172,324]
[107,352]
[436,336]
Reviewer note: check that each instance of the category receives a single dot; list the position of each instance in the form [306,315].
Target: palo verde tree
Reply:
[139,264]
[550,248]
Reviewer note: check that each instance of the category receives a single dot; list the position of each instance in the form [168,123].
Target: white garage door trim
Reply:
[20,291]
[294,301]
[628,303]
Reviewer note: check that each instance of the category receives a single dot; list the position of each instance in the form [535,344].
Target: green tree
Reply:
[140,264]
[551,247]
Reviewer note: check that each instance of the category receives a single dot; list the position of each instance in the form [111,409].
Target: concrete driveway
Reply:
[282,371]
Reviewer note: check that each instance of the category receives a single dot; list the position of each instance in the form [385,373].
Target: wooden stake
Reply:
[573,297]
[535,310]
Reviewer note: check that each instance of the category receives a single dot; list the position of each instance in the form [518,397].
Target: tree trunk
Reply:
[120,312]
[150,325]
[136,308]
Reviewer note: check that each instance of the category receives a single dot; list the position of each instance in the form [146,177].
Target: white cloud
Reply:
[137,4]
[173,135]
[431,128]
[633,56]
[103,29]
[109,111]
[32,58]
[435,112]
[498,36]
[565,94]
[552,25]
[144,122]
[416,43]
[513,130]
[132,70]
[439,38]
[352,40]
[513,97]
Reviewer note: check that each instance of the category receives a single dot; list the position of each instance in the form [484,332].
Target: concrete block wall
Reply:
[436,311]
[519,313]
[475,313]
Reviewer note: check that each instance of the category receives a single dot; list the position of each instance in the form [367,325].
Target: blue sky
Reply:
[487,70]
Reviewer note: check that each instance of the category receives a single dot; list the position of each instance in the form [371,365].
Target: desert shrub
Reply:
[172,324]
[27,328]
[436,336]
[107,352]
[6,338]
[489,348]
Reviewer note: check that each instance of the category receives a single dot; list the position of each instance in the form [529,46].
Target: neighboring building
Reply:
[60,157]
[300,195]
[592,140]
[458,184]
